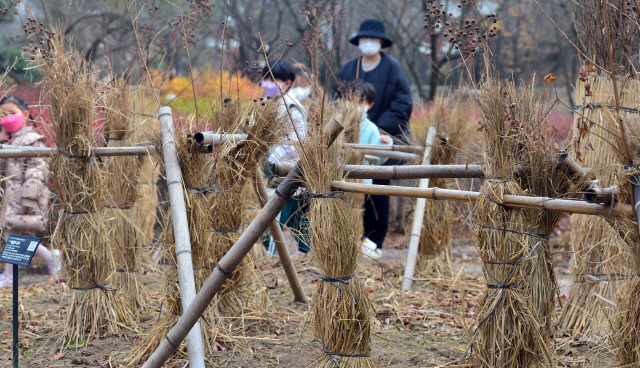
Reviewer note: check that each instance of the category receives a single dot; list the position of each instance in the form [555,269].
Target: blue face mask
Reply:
[271,88]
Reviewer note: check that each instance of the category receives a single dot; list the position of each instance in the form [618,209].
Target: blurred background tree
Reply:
[118,34]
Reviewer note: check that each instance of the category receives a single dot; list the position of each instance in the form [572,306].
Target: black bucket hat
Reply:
[372,28]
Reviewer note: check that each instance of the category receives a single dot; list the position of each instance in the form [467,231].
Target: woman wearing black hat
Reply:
[390,112]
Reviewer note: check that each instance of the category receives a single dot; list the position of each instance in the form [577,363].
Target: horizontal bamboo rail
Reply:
[28,152]
[541,203]
[206,138]
[399,171]
[402,156]
[385,147]
[412,171]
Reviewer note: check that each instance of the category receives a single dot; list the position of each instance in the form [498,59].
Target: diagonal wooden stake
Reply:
[230,261]
[281,246]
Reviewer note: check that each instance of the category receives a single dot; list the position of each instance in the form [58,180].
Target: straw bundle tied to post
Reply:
[598,248]
[452,119]
[122,174]
[350,117]
[215,211]
[79,181]
[625,324]
[341,311]
[514,316]
[233,171]
[144,107]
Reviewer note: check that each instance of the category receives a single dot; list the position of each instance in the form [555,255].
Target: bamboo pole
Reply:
[572,167]
[181,235]
[601,195]
[402,156]
[217,138]
[398,171]
[29,152]
[385,147]
[211,138]
[539,203]
[230,261]
[407,171]
[281,245]
[418,217]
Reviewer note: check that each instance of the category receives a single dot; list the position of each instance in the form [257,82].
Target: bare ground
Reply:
[422,328]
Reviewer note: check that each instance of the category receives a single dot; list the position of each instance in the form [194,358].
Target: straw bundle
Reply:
[144,108]
[79,181]
[233,171]
[351,118]
[451,118]
[196,168]
[598,248]
[215,211]
[122,183]
[340,311]
[515,314]
[625,332]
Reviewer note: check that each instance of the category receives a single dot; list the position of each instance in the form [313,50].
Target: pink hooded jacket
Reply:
[27,197]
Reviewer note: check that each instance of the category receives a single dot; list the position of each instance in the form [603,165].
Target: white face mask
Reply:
[301,93]
[369,46]
[362,109]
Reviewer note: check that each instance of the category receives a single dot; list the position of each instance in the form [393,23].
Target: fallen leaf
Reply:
[549,78]
[58,356]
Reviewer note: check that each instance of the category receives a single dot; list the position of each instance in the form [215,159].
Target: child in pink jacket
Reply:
[26,197]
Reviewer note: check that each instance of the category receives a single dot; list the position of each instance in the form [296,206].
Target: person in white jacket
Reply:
[277,81]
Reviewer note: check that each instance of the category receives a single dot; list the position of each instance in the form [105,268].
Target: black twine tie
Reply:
[334,358]
[232,230]
[335,281]
[305,194]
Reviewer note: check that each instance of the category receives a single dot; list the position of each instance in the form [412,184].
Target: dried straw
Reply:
[625,333]
[79,180]
[340,312]
[598,248]
[144,108]
[214,202]
[122,184]
[346,110]
[451,116]
[515,314]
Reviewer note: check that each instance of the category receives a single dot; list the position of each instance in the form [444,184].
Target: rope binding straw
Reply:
[335,281]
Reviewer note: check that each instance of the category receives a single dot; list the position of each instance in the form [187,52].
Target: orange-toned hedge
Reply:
[211,87]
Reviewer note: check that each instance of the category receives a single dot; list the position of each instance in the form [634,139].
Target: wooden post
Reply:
[230,261]
[181,235]
[418,217]
[281,245]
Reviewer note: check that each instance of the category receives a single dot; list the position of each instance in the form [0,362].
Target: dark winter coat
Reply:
[392,109]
